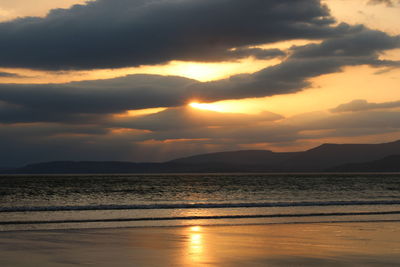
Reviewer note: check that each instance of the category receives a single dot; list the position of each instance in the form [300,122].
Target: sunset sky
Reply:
[153,80]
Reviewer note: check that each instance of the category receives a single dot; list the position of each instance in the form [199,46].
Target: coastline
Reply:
[301,244]
[5,174]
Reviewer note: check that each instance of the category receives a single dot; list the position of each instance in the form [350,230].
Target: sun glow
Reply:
[139,112]
[203,72]
[230,106]
[208,106]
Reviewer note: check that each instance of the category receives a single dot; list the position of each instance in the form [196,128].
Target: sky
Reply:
[154,80]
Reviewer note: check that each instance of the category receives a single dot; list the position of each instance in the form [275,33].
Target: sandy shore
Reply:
[339,244]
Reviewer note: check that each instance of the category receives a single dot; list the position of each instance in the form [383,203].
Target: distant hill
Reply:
[244,157]
[82,167]
[387,164]
[316,159]
[86,167]
[327,157]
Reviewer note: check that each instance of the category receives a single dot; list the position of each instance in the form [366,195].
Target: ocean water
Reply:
[102,201]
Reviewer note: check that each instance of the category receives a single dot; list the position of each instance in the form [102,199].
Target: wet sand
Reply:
[324,244]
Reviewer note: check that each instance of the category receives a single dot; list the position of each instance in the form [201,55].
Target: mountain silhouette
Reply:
[387,164]
[316,159]
[327,157]
[244,157]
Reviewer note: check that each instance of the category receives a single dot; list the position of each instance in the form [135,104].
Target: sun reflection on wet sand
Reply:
[339,244]
[195,249]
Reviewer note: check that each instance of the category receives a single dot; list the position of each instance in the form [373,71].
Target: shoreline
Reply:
[277,244]
[5,174]
[144,227]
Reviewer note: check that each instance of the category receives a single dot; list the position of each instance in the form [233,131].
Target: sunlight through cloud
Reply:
[206,106]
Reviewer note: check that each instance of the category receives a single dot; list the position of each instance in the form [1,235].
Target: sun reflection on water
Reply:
[195,245]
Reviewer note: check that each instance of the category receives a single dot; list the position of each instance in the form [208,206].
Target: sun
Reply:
[207,106]
[238,107]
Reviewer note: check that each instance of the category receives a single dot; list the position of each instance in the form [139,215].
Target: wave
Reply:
[197,206]
[299,215]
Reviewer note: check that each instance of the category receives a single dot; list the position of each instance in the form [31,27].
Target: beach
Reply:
[200,220]
[304,244]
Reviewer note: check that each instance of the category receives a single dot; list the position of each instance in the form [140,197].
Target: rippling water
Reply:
[63,202]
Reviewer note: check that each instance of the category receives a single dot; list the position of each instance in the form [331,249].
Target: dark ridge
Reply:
[327,157]
[387,164]
[244,157]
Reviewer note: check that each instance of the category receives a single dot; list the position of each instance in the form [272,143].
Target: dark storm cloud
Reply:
[67,102]
[78,100]
[120,33]
[362,105]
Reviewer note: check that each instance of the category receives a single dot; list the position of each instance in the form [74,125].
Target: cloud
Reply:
[363,105]
[230,129]
[174,133]
[77,120]
[48,130]
[121,33]
[365,44]
[363,47]
[8,75]
[79,101]
[189,118]
[258,53]
[389,3]
[301,127]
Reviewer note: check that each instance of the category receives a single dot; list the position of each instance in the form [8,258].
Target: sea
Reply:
[44,202]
